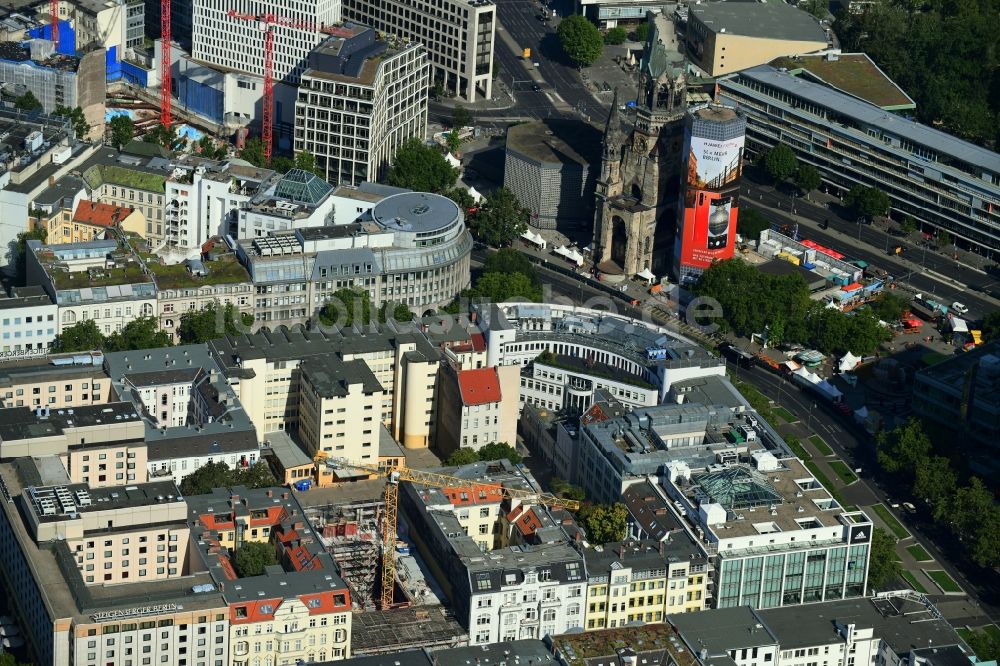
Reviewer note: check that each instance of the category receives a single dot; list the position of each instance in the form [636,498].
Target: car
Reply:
[893,503]
[535,87]
[959,308]
[909,508]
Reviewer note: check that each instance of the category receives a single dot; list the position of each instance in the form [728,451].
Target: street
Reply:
[868,243]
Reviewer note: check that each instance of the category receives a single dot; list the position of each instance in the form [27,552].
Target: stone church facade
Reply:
[638,188]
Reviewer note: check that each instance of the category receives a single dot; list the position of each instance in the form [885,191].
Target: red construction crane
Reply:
[54,10]
[267,21]
[165,37]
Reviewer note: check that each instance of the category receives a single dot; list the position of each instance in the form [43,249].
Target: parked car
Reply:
[959,308]
[909,508]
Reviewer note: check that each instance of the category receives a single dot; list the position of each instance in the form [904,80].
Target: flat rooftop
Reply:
[769,20]
[557,142]
[58,503]
[221,267]
[721,629]
[331,377]
[580,649]
[416,212]
[953,371]
[853,73]
[19,423]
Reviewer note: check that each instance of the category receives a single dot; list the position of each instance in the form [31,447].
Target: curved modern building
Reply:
[410,247]
[428,262]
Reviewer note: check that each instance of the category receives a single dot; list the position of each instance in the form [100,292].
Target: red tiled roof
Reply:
[100,214]
[526,521]
[478,342]
[475,494]
[480,386]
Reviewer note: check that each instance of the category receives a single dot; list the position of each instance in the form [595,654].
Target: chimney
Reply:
[661,548]
[269,492]
[621,549]
[473,316]
[234,500]
[284,496]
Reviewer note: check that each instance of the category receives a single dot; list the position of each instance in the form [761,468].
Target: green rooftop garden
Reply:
[116,175]
[223,270]
[98,277]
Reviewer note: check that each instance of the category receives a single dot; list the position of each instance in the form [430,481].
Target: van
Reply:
[959,308]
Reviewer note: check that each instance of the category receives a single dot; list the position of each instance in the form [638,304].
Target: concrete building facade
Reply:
[361,98]
[459,36]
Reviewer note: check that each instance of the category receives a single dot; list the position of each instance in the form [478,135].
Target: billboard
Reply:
[711,204]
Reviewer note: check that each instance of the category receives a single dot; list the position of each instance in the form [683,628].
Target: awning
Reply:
[646,274]
[534,238]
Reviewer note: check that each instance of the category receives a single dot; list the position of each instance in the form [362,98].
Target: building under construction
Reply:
[391,631]
[351,534]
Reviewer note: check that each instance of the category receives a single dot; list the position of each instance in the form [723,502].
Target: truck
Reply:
[933,305]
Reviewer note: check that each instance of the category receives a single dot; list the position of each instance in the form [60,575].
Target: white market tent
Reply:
[646,275]
[534,238]
[848,362]
[478,198]
[453,161]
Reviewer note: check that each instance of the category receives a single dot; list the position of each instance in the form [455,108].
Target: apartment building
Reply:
[90,220]
[631,582]
[362,97]
[99,281]
[569,383]
[296,200]
[459,37]
[340,409]
[944,183]
[116,25]
[71,380]
[472,408]
[149,540]
[298,610]
[128,181]
[499,592]
[217,280]
[888,629]
[265,370]
[204,198]
[29,323]
[191,415]
[56,79]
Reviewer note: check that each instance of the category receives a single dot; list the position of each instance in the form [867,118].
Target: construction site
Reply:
[418,616]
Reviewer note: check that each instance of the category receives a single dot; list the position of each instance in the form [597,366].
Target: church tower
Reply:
[639,188]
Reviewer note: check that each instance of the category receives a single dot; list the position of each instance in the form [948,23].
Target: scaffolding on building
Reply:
[350,533]
[398,629]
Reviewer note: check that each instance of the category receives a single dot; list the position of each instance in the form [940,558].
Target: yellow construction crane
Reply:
[393,475]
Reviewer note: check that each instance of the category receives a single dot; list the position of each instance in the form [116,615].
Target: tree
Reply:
[19,250]
[818,8]
[212,322]
[889,307]
[580,40]
[780,162]
[205,478]
[141,333]
[454,141]
[460,117]
[991,326]
[347,306]
[750,222]
[976,521]
[934,482]
[422,168]
[908,225]
[8,659]
[500,220]
[867,201]
[462,456]
[398,311]
[307,162]
[253,152]
[499,451]
[164,136]
[503,287]
[257,475]
[252,557]
[27,102]
[903,449]
[81,336]
[209,149]
[604,523]
[984,644]
[460,196]
[567,490]
[807,178]
[943,239]
[122,131]
[616,35]
[642,32]
[80,125]
[883,567]
[509,260]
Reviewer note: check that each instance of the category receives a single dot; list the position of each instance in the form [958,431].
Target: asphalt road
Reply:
[869,244]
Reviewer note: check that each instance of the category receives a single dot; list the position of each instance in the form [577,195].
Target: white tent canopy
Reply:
[534,238]
[848,362]
[646,275]
[452,160]
[478,198]
[959,325]
[561,251]
[574,256]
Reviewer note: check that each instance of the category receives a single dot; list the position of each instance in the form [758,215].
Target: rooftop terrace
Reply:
[576,649]
[224,268]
